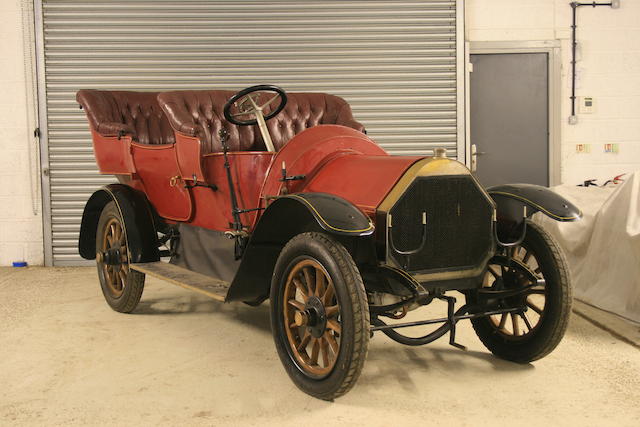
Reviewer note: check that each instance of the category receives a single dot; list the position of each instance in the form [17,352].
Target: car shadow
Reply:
[386,358]
[400,365]
[176,305]
[385,362]
[256,317]
[452,358]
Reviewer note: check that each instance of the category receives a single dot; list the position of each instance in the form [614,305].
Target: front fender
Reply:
[334,214]
[138,218]
[283,219]
[536,198]
[515,202]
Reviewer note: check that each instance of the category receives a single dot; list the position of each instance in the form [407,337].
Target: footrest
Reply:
[210,286]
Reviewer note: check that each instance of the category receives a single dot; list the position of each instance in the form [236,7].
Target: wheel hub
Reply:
[514,279]
[111,256]
[314,317]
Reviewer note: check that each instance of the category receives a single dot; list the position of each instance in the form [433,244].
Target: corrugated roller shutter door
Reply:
[395,62]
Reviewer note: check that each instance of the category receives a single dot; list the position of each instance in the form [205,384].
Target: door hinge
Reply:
[36,132]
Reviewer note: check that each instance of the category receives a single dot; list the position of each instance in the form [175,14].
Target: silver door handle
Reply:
[474,157]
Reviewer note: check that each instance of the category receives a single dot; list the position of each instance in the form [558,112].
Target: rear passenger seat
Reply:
[119,113]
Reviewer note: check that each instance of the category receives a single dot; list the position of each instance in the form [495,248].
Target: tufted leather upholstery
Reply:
[138,114]
[200,114]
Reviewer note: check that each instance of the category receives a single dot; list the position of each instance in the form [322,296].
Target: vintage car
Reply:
[266,195]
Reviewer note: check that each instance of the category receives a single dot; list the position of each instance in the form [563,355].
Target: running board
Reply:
[209,286]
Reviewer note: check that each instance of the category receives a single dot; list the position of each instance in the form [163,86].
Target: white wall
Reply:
[20,228]
[609,42]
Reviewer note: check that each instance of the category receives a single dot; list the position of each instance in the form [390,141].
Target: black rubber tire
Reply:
[354,313]
[558,299]
[128,301]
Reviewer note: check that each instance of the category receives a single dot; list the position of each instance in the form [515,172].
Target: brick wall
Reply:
[609,64]
[20,228]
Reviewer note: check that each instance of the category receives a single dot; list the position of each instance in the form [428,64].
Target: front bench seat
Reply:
[199,113]
[118,113]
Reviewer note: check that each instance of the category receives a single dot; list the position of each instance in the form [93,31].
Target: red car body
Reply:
[335,159]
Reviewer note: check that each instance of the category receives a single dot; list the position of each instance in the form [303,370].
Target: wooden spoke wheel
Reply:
[319,315]
[113,258]
[121,286]
[523,272]
[536,279]
[312,317]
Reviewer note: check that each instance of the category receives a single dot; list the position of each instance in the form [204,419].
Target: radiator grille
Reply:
[458,231]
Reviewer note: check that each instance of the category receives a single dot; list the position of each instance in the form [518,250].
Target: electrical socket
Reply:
[611,148]
[615,4]
[583,148]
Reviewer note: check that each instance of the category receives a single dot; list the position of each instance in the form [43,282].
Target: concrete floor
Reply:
[181,359]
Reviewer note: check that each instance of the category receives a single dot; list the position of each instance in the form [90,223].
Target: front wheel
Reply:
[537,279]
[319,315]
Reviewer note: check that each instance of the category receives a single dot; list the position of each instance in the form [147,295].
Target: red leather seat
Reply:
[199,113]
[115,113]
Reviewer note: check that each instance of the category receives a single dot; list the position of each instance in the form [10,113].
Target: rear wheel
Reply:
[319,315]
[121,286]
[539,275]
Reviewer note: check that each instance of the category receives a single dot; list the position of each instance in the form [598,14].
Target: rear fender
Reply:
[516,202]
[285,218]
[138,217]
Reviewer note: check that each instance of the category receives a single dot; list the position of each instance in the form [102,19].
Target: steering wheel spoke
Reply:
[269,102]
[242,113]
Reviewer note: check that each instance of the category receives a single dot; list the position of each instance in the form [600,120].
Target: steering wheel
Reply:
[247,104]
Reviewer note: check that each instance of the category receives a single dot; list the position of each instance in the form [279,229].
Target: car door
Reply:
[157,167]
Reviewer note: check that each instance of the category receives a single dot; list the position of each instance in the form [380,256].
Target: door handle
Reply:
[474,157]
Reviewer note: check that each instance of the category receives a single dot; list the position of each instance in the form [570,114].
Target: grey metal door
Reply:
[509,117]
